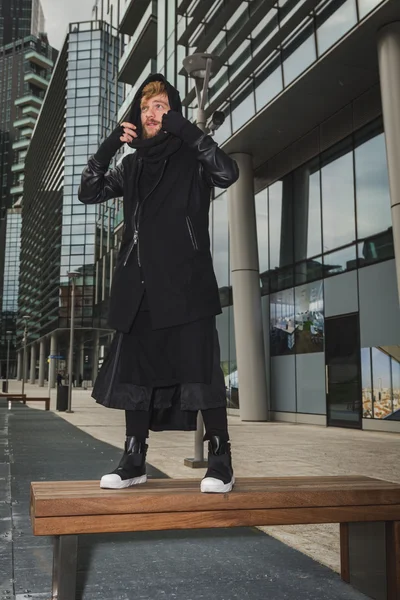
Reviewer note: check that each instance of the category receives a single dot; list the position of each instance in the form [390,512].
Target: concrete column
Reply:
[95,355]
[250,354]
[42,362]
[19,365]
[389,71]
[52,364]
[33,364]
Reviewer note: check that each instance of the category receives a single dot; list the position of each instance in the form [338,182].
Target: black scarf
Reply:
[153,152]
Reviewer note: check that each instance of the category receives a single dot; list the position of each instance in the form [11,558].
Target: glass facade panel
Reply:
[338,215]
[365,6]
[299,54]
[382,385]
[269,83]
[309,318]
[372,188]
[282,323]
[261,204]
[340,261]
[366,382]
[334,21]
[221,240]
[244,111]
[275,224]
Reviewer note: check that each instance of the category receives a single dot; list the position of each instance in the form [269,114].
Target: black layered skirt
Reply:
[172,372]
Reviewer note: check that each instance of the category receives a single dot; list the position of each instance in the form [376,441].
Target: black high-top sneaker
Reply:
[219,477]
[131,469]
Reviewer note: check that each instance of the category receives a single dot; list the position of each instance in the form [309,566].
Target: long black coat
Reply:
[172,245]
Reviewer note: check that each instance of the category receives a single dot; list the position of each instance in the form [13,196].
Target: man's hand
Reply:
[173,122]
[122,134]
[129,132]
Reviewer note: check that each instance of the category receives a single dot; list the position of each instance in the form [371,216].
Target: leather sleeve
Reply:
[219,169]
[99,184]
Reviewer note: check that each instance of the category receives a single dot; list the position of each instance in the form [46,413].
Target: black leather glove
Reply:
[175,123]
[110,146]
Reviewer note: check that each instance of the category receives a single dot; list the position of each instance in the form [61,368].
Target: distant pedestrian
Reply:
[59,379]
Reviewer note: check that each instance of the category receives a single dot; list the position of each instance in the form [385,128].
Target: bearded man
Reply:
[164,362]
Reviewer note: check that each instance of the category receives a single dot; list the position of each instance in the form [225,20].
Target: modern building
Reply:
[25,69]
[59,234]
[20,18]
[304,243]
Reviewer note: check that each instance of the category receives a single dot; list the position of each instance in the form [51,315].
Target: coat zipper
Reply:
[136,218]
[115,364]
[192,233]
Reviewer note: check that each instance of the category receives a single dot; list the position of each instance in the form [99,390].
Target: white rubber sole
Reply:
[210,485]
[114,482]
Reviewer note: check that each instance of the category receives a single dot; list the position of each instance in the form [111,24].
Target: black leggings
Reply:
[215,423]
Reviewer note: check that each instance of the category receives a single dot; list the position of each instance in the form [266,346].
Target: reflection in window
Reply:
[336,19]
[261,203]
[299,54]
[309,318]
[243,108]
[365,6]
[372,187]
[309,270]
[275,224]
[221,240]
[307,211]
[338,198]
[366,379]
[282,323]
[269,83]
[382,388]
[395,363]
[340,261]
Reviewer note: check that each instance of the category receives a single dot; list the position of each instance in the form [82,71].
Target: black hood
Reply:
[173,98]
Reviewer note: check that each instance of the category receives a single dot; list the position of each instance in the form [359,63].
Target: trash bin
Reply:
[4,387]
[62,398]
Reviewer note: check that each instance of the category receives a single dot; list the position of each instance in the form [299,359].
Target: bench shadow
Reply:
[96,551]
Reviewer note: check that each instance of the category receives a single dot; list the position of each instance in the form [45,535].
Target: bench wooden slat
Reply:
[81,499]
[211,519]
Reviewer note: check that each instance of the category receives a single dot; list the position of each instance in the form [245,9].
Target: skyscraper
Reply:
[19,18]
[26,63]
[59,234]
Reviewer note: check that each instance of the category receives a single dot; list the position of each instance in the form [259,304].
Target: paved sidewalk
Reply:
[228,564]
[259,449]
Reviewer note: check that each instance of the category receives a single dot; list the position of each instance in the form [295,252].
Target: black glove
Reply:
[110,146]
[175,123]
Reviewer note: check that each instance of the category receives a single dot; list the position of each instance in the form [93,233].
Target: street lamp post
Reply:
[200,67]
[72,276]
[25,320]
[8,338]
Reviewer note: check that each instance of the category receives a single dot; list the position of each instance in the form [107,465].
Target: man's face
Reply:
[152,112]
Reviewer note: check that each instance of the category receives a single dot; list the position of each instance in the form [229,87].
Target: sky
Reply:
[58,13]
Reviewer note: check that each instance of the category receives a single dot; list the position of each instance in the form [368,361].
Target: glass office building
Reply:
[59,234]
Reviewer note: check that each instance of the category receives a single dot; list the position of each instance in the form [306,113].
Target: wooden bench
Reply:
[24,399]
[368,511]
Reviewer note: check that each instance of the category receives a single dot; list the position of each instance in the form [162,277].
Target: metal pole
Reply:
[71,345]
[198,461]
[8,362]
[24,358]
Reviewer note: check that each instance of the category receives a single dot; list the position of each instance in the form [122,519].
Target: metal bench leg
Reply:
[64,567]
[370,554]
